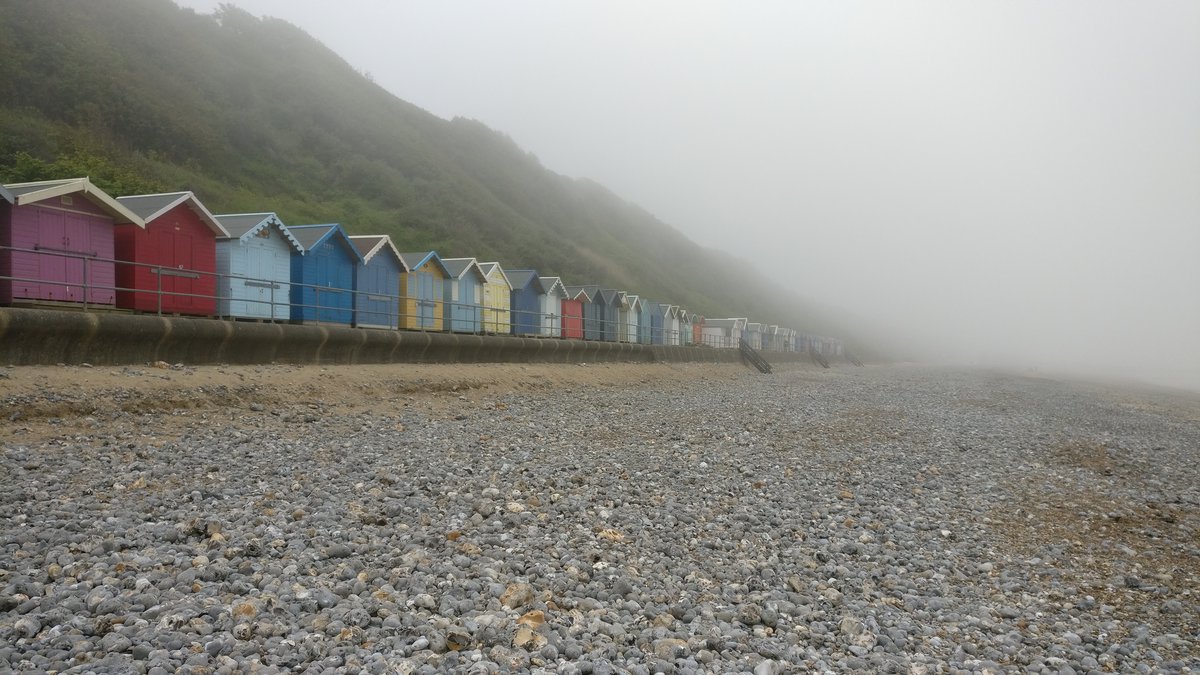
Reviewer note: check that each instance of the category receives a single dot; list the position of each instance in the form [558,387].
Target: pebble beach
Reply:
[595,519]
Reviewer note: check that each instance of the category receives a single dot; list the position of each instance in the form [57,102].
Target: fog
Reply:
[1009,183]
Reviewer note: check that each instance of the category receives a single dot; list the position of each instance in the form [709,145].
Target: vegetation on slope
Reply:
[254,114]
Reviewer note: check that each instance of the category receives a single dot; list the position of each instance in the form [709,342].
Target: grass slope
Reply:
[254,114]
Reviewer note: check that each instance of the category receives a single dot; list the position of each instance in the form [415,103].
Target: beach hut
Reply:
[609,301]
[421,291]
[323,276]
[685,327]
[497,299]
[643,320]
[525,303]
[723,332]
[461,295]
[553,292]
[753,334]
[789,339]
[169,265]
[656,322]
[631,305]
[572,305]
[56,242]
[377,282]
[670,324]
[697,329]
[593,313]
[254,267]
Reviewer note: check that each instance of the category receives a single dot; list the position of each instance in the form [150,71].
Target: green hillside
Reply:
[256,115]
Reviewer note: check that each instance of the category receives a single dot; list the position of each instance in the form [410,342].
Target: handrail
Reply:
[351,307]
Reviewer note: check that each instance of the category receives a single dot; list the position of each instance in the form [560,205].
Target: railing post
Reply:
[158,284]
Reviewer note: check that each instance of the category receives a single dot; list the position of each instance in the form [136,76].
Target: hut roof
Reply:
[150,207]
[36,191]
[458,267]
[370,245]
[244,225]
[413,260]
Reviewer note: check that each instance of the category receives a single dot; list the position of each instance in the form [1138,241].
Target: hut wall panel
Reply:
[376,301]
[177,240]
[497,305]
[323,284]
[79,228]
[551,314]
[572,319]
[526,307]
[422,292]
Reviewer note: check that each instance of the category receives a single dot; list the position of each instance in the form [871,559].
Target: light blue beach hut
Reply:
[254,267]
[462,295]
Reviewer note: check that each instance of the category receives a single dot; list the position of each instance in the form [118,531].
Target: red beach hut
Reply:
[174,258]
[572,313]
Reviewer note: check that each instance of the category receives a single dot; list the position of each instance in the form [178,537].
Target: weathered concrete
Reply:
[46,336]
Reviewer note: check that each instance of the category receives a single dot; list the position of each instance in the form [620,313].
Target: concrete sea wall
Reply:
[47,337]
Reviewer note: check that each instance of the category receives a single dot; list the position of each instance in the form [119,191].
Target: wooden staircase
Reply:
[755,359]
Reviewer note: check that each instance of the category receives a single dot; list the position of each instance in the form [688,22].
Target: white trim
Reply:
[195,205]
[58,188]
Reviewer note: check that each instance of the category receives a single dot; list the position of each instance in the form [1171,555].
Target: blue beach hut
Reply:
[377,284]
[323,276]
[656,322]
[463,295]
[643,320]
[610,314]
[526,302]
[254,267]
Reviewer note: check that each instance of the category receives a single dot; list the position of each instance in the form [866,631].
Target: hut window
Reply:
[67,200]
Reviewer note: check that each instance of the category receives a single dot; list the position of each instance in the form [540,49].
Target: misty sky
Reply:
[1008,182]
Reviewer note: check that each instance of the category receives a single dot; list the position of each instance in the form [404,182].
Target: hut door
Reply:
[52,237]
[425,299]
[184,283]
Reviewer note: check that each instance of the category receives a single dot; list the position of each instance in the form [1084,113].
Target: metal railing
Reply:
[88,281]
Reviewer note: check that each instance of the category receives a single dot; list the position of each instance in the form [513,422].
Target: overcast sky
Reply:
[1013,182]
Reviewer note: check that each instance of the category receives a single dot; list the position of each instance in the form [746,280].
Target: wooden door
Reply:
[52,259]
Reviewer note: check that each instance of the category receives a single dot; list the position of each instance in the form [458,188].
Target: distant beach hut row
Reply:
[68,243]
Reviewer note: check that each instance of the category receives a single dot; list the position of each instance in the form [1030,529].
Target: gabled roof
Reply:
[245,226]
[150,207]
[636,303]
[413,260]
[369,245]
[550,283]
[609,296]
[522,278]
[489,267]
[31,193]
[588,292]
[311,236]
[724,323]
[6,195]
[458,267]
[669,310]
